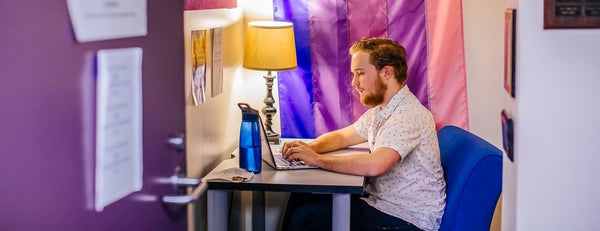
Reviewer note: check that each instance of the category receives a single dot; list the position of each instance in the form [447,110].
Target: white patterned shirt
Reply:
[414,188]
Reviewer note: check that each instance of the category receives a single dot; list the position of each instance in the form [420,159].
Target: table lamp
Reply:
[270,46]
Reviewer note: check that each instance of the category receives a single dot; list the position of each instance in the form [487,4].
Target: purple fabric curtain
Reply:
[318,97]
[295,86]
[331,63]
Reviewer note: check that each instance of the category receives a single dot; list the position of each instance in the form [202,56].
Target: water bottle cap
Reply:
[252,117]
[246,109]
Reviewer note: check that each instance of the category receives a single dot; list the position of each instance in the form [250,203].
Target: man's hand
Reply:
[299,151]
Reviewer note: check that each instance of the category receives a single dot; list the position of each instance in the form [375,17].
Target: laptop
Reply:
[274,158]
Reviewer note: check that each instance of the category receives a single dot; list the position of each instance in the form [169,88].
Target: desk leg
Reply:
[217,210]
[258,210]
[341,212]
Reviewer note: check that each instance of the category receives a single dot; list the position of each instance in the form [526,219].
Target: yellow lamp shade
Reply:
[270,46]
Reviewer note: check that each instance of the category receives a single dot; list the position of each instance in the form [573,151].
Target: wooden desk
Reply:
[341,186]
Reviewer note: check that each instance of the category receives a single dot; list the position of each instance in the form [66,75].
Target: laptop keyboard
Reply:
[281,161]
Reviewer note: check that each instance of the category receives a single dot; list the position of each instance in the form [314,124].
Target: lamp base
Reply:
[269,110]
[273,137]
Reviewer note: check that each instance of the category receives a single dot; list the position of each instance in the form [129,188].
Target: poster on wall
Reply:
[509,51]
[199,66]
[217,62]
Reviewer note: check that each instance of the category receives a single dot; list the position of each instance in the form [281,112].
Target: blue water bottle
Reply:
[250,143]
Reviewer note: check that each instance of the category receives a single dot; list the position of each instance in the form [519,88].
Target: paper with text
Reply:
[118,125]
[95,20]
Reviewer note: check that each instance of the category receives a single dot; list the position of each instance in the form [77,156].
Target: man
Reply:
[406,187]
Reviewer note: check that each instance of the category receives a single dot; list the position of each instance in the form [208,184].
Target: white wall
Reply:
[554,176]
[483,23]
[212,128]
[210,134]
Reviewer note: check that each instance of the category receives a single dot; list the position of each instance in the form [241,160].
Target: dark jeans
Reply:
[307,211]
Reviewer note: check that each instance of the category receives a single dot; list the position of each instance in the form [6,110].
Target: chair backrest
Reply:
[473,172]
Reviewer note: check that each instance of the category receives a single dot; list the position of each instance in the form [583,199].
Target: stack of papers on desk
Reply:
[231,174]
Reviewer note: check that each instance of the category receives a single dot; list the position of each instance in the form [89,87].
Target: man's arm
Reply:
[328,142]
[335,140]
[367,164]
[363,164]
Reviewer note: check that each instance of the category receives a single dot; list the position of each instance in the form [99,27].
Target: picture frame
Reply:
[571,14]
[508,131]
[509,51]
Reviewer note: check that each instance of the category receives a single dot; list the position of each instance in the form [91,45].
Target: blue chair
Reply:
[473,172]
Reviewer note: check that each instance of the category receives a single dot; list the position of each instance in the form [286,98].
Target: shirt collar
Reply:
[385,113]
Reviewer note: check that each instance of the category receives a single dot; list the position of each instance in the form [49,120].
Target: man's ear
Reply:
[388,72]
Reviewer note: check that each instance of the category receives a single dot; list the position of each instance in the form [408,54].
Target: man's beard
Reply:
[376,98]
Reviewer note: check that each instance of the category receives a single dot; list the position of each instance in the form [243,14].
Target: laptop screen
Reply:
[269,158]
[266,152]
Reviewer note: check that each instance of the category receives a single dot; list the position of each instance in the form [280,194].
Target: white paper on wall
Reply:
[95,20]
[118,125]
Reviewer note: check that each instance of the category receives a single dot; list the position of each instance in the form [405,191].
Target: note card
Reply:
[118,125]
[95,20]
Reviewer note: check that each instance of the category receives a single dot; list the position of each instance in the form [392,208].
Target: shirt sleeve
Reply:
[362,124]
[401,133]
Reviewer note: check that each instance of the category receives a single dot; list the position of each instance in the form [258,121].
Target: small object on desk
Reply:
[232,174]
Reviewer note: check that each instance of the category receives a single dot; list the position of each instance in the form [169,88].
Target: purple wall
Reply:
[47,95]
